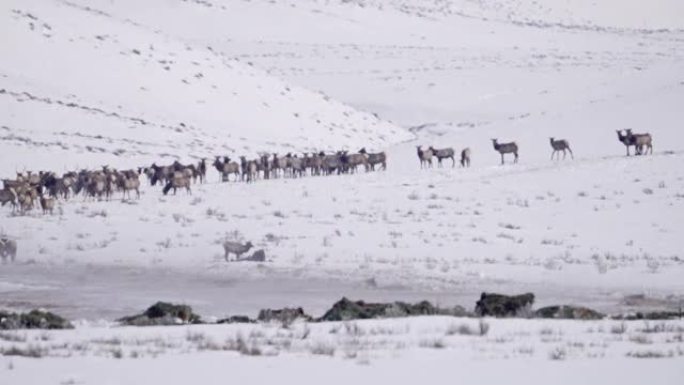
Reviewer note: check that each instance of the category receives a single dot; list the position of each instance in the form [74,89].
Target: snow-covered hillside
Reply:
[84,88]
[125,82]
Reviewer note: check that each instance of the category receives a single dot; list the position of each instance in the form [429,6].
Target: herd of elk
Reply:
[274,166]
[29,190]
[43,189]
[643,144]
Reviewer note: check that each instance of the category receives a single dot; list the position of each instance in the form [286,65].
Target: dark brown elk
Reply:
[8,195]
[560,145]
[202,170]
[627,140]
[465,157]
[506,148]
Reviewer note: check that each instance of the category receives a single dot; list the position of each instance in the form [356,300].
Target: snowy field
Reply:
[126,83]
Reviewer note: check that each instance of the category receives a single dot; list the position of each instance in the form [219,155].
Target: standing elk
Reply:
[226,168]
[353,161]
[465,157]
[558,146]
[425,157]
[506,148]
[627,140]
[8,248]
[444,153]
[126,182]
[47,204]
[179,180]
[8,195]
[641,140]
[235,248]
[375,158]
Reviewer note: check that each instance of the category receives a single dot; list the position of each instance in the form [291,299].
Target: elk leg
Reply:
[516,157]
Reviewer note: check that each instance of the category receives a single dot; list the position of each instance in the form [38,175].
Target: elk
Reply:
[249,169]
[332,163]
[465,157]
[425,157]
[353,161]
[375,158]
[296,165]
[627,140]
[202,170]
[179,180]
[265,166]
[8,195]
[235,248]
[226,168]
[444,153]
[639,141]
[8,248]
[277,164]
[127,182]
[506,148]
[558,146]
[47,204]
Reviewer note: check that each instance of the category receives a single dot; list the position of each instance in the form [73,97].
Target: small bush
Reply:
[558,354]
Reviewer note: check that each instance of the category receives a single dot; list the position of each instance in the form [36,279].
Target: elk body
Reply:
[179,180]
[506,148]
[640,141]
[379,158]
[47,204]
[235,248]
[425,157]
[8,248]
[465,157]
[560,145]
[444,153]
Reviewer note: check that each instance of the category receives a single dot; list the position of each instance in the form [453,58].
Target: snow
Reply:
[400,351]
[126,83]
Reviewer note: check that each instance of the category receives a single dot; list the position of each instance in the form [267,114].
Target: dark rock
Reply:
[257,256]
[568,312]
[163,313]
[286,315]
[344,310]
[35,319]
[499,305]
[236,319]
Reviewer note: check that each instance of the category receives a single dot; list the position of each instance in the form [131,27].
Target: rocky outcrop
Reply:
[163,313]
[344,310]
[285,315]
[568,312]
[35,319]
[236,319]
[499,305]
